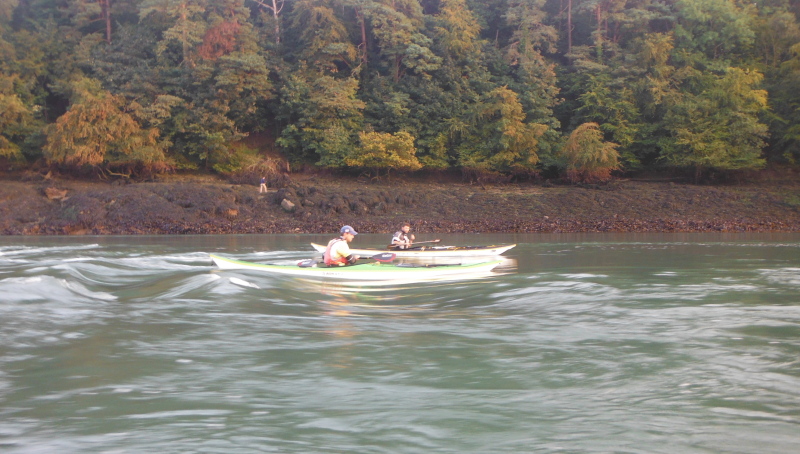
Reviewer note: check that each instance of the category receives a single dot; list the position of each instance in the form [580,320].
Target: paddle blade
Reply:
[384,257]
[307,263]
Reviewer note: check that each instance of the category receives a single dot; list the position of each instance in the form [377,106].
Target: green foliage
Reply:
[717,127]
[500,139]
[397,29]
[14,116]
[187,25]
[482,85]
[457,29]
[97,131]
[718,29]
[324,117]
[323,37]
[379,151]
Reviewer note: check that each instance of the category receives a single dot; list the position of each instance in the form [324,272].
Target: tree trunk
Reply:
[569,26]
[275,7]
[275,12]
[105,8]
[363,46]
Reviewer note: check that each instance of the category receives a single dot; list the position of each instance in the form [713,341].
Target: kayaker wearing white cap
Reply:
[338,251]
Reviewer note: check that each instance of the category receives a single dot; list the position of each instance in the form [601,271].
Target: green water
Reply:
[578,344]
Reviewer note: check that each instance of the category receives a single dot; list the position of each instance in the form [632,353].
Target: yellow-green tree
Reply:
[717,128]
[587,157]
[379,151]
[98,131]
[499,139]
[13,116]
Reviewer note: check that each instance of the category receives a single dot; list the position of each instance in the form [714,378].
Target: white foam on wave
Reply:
[33,250]
[583,276]
[46,288]
[242,282]
[785,276]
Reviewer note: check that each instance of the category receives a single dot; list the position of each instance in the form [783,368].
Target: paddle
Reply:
[383,257]
[394,246]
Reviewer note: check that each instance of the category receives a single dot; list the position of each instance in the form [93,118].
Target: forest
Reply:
[507,88]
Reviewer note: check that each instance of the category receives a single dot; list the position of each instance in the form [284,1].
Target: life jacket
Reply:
[400,236]
[326,257]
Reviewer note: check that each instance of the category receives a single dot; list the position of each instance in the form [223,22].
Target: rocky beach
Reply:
[36,204]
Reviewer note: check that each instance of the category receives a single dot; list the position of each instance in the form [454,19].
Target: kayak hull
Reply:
[375,271]
[431,251]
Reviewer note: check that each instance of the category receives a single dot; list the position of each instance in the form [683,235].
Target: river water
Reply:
[628,343]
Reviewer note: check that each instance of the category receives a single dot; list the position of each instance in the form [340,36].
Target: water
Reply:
[583,344]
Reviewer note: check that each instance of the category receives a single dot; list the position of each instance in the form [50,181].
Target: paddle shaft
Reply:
[393,246]
[383,257]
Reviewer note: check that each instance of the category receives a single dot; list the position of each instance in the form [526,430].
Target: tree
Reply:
[785,121]
[397,26]
[587,157]
[98,131]
[775,34]
[499,139]
[276,7]
[378,151]
[324,41]
[534,76]
[187,25]
[717,126]
[14,115]
[456,29]
[323,116]
[86,14]
[717,29]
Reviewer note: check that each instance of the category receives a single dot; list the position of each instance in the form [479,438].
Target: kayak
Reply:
[374,271]
[431,251]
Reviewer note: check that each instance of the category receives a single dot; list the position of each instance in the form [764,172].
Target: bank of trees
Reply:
[510,87]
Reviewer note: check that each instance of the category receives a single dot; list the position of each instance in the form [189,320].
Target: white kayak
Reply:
[431,251]
[374,271]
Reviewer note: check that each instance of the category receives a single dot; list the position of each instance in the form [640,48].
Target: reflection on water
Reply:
[591,344]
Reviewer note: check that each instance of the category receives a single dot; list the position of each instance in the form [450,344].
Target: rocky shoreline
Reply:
[320,204]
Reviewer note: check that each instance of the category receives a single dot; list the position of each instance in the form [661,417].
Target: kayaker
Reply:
[338,251]
[401,238]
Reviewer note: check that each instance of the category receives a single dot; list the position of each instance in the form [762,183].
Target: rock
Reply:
[338,204]
[287,205]
[55,194]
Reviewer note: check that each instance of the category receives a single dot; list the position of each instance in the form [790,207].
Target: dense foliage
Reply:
[505,87]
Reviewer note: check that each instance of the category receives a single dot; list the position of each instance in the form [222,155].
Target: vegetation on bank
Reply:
[511,88]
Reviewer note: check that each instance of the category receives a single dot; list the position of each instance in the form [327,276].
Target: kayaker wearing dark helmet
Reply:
[338,251]
[401,238]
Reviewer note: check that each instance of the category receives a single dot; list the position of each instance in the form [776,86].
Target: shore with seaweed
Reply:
[35,204]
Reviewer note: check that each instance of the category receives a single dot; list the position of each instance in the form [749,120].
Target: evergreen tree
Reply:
[398,27]
[534,76]
[716,126]
[499,139]
[586,157]
[98,131]
[323,117]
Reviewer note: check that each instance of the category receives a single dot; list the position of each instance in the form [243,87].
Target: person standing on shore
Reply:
[338,251]
[402,239]
[263,187]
